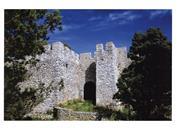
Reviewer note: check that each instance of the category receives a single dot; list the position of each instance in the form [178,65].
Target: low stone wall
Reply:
[38,116]
[68,114]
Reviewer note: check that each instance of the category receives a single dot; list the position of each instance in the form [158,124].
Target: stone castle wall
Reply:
[61,74]
[55,76]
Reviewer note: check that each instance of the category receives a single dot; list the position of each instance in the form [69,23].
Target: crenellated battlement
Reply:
[60,49]
[108,49]
[57,46]
[109,46]
[99,48]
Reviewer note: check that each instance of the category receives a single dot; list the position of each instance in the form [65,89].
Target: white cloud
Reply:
[71,27]
[116,16]
[126,16]
[158,13]
[114,19]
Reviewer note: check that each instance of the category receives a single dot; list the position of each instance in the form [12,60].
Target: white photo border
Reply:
[174,5]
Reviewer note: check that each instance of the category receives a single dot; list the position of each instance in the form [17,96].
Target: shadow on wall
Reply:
[90,85]
[90,92]
[91,73]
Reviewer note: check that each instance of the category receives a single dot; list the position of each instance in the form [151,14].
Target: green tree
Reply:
[145,86]
[26,33]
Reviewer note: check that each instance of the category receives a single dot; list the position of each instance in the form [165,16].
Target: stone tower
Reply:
[106,73]
[108,68]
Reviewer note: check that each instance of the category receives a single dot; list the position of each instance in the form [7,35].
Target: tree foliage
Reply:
[27,30]
[145,86]
[26,33]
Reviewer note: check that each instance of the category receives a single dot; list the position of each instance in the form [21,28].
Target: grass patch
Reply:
[78,105]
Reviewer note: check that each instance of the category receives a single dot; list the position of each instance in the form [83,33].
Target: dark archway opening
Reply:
[90,92]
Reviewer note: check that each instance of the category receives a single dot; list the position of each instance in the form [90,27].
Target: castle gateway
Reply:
[61,75]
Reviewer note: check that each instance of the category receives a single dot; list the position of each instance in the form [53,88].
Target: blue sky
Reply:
[83,29]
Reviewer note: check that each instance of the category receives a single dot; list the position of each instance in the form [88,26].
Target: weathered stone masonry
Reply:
[61,74]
